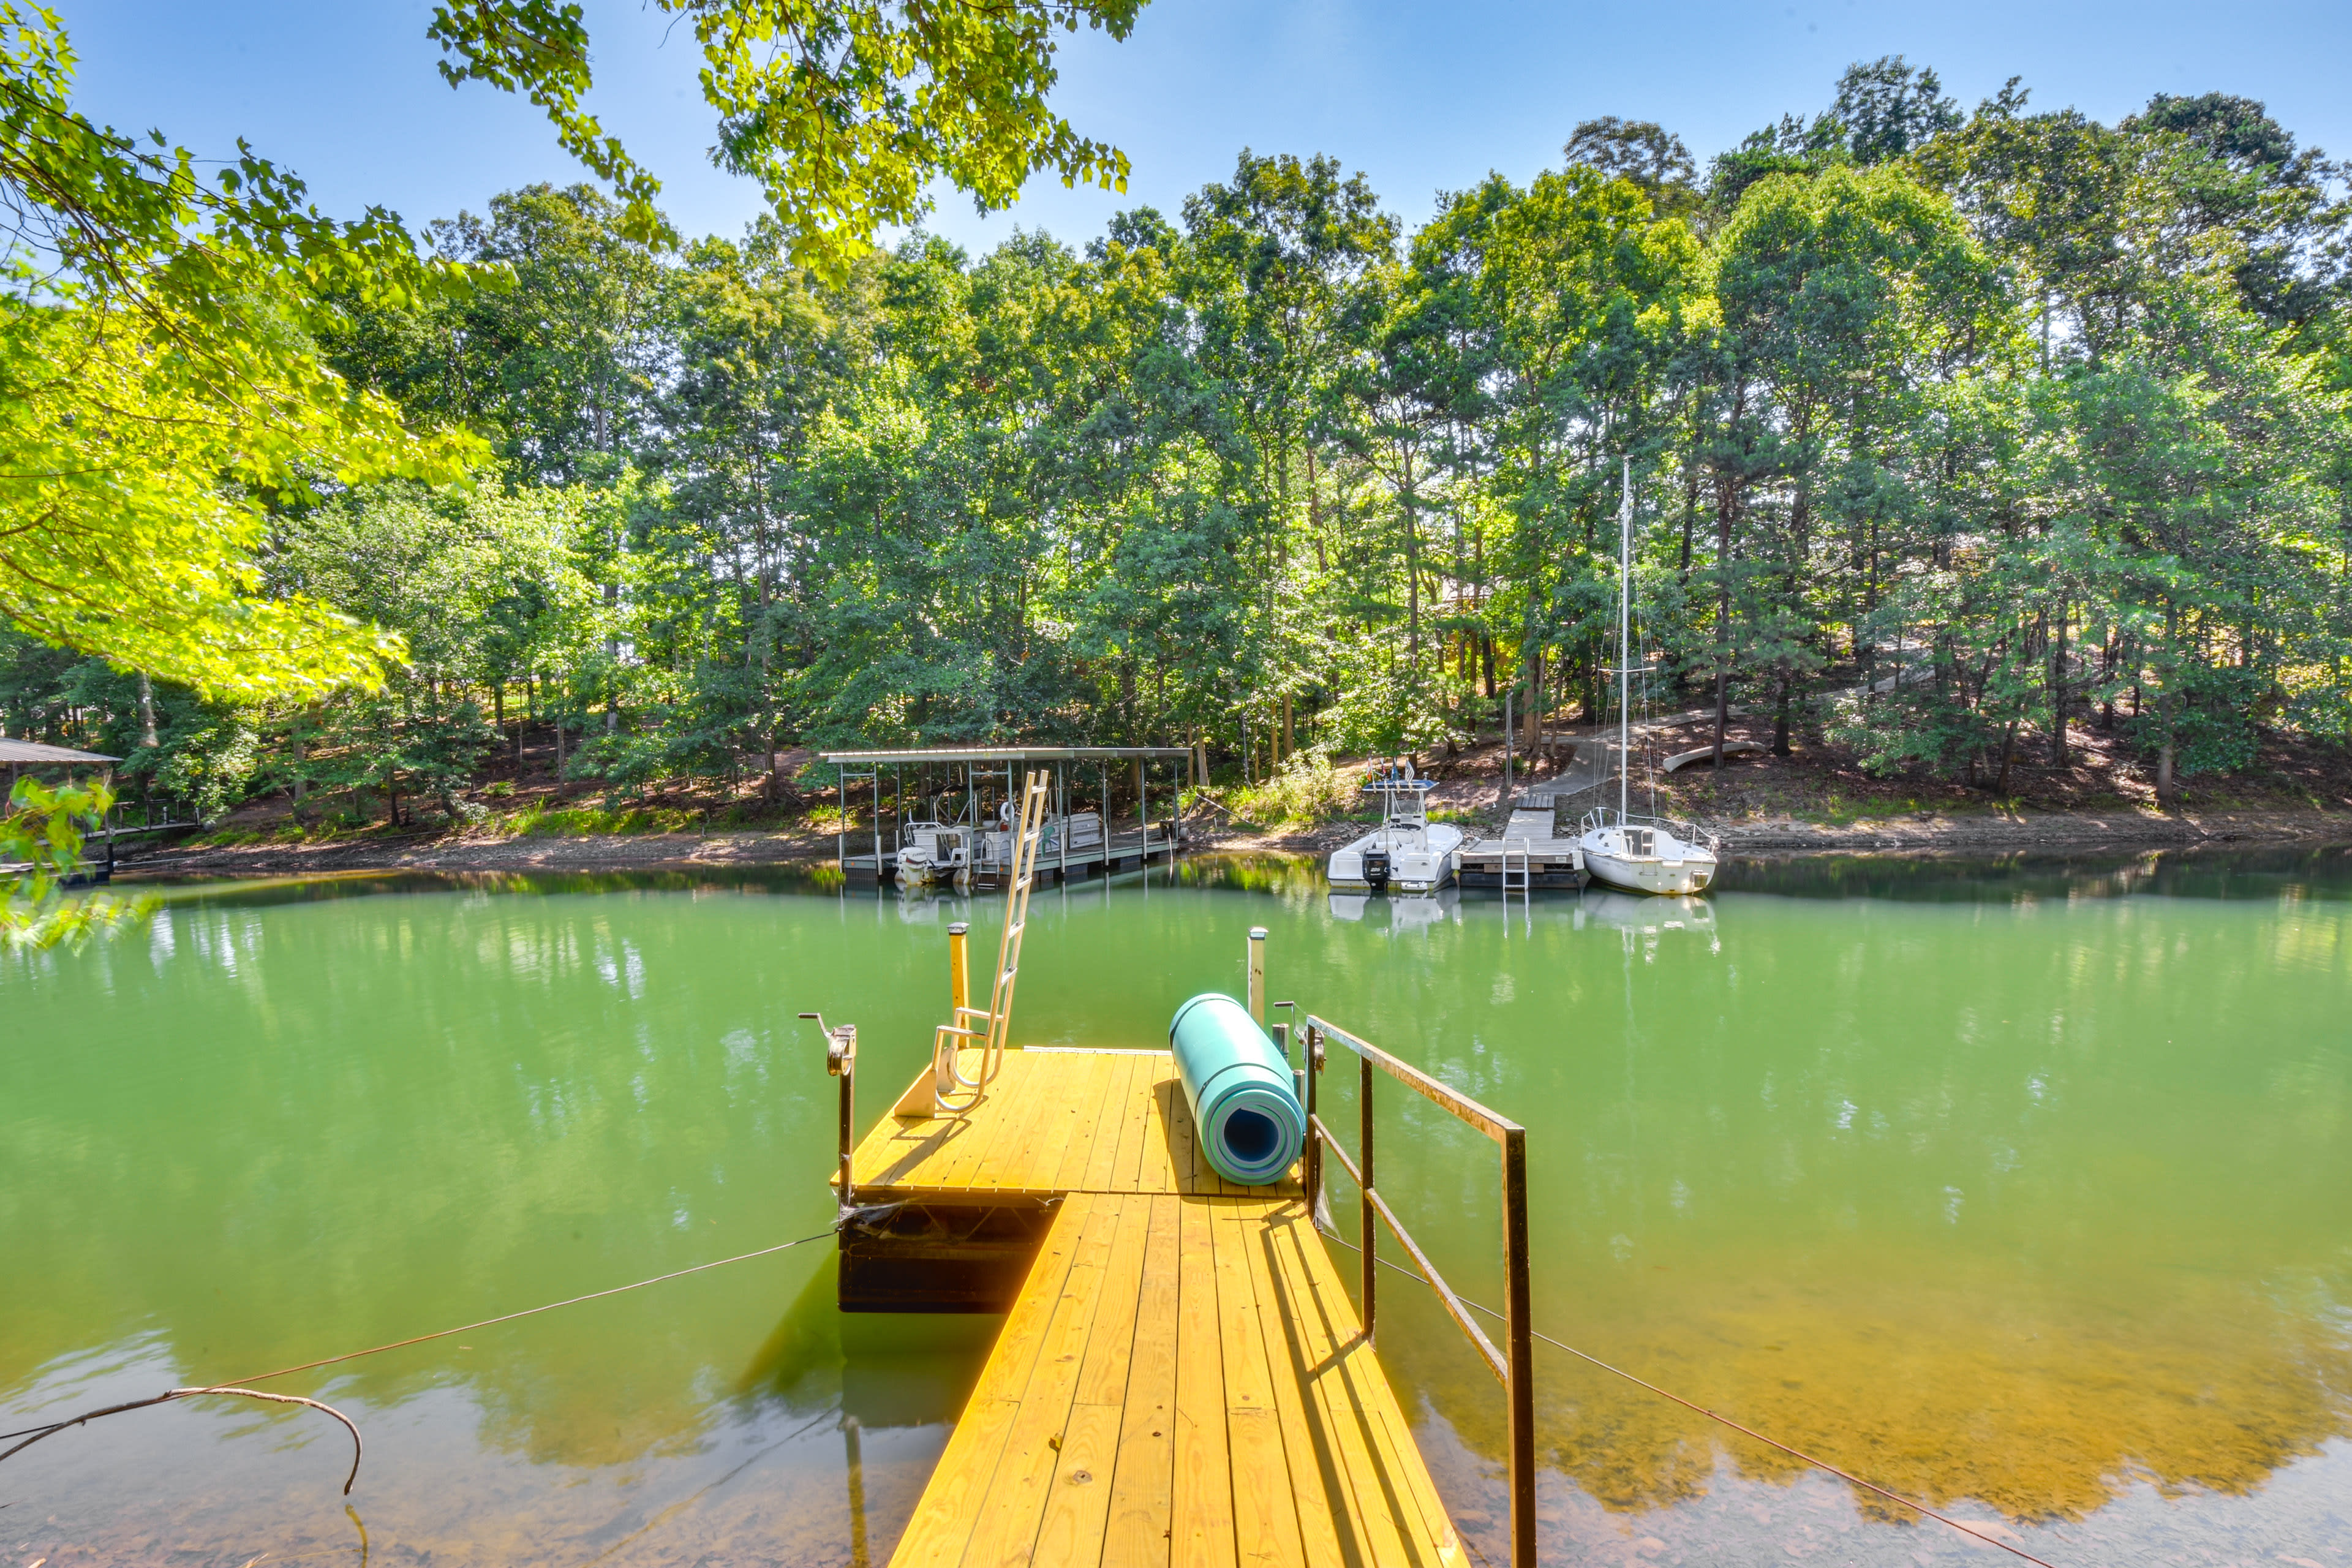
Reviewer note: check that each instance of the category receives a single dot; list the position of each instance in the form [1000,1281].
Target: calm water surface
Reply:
[2028,1188]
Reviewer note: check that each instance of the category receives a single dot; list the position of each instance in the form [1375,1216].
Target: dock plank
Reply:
[1061,1148]
[1182,1381]
[1351,1396]
[1102,1150]
[1004,1532]
[1204,1522]
[1137,1534]
[1314,1472]
[1265,1513]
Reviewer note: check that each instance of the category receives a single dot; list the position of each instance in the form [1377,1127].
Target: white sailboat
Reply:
[1639,854]
[1407,853]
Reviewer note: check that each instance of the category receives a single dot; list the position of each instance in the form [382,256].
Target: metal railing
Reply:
[1513,1366]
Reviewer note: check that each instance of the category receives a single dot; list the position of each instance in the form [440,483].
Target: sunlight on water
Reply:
[2025,1188]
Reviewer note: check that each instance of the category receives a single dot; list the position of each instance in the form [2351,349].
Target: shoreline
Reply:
[1920,835]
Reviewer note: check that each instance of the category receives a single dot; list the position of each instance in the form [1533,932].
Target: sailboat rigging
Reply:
[1639,854]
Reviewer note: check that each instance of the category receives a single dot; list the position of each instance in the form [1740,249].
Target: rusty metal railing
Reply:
[1514,1365]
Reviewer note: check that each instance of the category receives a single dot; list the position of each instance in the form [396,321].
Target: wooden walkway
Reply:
[1182,1379]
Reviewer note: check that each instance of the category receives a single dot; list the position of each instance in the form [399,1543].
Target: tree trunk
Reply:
[2108,657]
[1722,625]
[1533,718]
[1690,521]
[2008,750]
[146,711]
[2058,691]
[1411,574]
[1780,719]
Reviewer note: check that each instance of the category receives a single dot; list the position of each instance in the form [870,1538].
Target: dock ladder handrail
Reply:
[1514,1367]
[951,1089]
[1526,868]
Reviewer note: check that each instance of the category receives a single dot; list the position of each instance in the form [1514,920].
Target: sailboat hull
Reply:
[1649,873]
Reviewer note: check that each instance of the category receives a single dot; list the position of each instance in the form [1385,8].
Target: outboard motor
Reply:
[1376,867]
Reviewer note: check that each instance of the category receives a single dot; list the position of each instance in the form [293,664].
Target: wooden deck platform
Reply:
[1055,1121]
[1183,1378]
[1529,849]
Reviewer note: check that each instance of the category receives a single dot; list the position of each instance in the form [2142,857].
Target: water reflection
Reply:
[2024,1186]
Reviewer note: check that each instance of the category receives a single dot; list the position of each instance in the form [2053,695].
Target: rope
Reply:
[1969,1531]
[32,1435]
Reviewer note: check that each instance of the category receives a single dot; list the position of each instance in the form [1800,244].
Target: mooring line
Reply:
[1969,1530]
[533,1312]
[32,1435]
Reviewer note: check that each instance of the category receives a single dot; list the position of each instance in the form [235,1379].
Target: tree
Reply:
[478,587]
[845,112]
[1640,151]
[42,832]
[160,396]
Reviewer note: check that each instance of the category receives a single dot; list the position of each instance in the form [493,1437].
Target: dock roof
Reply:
[33,753]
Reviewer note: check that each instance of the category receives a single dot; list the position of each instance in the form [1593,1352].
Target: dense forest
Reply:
[1946,429]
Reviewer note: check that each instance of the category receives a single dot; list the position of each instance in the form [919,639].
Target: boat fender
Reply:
[1244,1105]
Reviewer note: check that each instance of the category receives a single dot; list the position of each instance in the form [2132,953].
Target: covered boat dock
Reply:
[898,784]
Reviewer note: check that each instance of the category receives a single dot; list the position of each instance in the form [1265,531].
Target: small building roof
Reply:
[33,753]
[1007,754]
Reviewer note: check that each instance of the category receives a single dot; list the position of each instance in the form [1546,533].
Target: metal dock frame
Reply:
[1513,1367]
[1146,839]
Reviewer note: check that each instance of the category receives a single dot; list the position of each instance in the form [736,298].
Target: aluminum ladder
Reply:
[986,1028]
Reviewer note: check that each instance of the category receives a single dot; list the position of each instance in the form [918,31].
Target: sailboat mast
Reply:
[1624,642]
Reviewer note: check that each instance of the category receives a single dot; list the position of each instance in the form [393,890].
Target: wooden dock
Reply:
[1181,1377]
[1526,855]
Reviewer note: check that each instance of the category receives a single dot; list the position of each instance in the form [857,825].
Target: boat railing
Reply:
[1513,1366]
[1604,817]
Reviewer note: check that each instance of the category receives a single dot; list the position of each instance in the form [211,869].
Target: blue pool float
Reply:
[1244,1107]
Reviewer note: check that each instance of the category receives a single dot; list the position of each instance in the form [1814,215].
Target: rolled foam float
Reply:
[1247,1115]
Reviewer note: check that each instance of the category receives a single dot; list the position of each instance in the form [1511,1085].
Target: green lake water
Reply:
[2024,1187]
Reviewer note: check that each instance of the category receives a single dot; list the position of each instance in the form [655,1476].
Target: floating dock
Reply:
[1528,854]
[1181,1377]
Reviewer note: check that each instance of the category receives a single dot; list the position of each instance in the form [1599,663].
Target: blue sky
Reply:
[1420,98]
